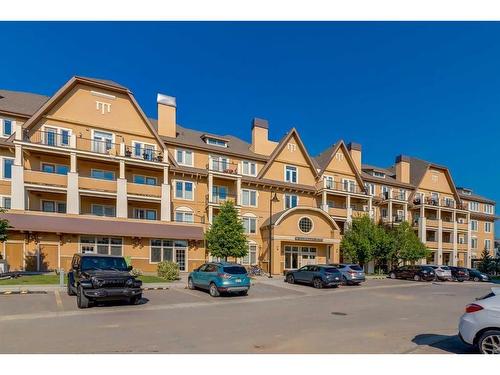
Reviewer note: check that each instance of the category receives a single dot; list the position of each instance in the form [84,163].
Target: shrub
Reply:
[136,272]
[168,271]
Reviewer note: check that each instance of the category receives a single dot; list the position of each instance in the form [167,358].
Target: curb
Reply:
[15,292]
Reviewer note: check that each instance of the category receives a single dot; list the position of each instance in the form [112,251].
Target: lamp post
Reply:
[273,199]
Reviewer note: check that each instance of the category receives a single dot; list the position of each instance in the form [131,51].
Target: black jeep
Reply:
[96,277]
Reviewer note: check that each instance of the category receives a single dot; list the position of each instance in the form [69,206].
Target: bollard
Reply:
[61,277]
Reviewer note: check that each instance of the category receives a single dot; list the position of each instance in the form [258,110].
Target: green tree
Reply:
[407,246]
[384,248]
[487,264]
[226,238]
[359,242]
[4,226]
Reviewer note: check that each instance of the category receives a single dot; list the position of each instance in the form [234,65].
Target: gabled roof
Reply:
[324,159]
[473,197]
[281,145]
[21,103]
[278,217]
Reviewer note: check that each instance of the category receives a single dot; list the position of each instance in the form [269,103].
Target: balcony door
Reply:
[102,142]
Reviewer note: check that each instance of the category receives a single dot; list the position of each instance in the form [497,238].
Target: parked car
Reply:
[318,276]
[477,275]
[220,277]
[351,273]
[95,277]
[416,272]
[480,324]
[459,274]
[443,273]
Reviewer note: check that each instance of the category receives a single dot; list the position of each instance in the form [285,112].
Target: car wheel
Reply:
[243,293]
[489,342]
[81,300]
[392,275]
[460,280]
[476,279]
[70,290]
[416,278]
[212,289]
[136,299]
[191,284]
[318,283]
[290,279]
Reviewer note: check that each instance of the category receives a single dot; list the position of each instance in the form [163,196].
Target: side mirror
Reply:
[130,268]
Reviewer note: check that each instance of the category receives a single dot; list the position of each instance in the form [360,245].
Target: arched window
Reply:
[184,215]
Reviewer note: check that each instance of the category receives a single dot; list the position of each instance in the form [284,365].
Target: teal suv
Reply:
[220,277]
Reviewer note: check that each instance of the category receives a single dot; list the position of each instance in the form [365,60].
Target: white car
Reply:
[443,273]
[480,325]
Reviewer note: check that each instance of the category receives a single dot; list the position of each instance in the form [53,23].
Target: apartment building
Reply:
[85,170]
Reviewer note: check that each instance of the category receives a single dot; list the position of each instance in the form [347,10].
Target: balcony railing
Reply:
[447,203]
[222,166]
[143,153]
[220,198]
[104,147]
[48,138]
[342,186]
[395,195]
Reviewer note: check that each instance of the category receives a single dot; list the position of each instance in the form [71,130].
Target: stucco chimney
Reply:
[355,151]
[403,168]
[167,109]
[260,137]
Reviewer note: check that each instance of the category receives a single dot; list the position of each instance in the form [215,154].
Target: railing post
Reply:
[19,131]
[72,141]
[122,149]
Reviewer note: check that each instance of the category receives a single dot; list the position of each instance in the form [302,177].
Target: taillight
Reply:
[352,272]
[224,275]
[473,308]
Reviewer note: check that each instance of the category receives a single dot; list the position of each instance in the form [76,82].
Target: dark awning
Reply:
[101,226]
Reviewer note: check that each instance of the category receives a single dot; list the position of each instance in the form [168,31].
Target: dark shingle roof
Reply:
[473,196]
[22,103]
[324,157]
[104,81]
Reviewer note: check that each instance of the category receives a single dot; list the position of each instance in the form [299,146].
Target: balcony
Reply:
[447,203]
[447,245]
[395,195]
[431,244]
[359,210]
[143,153]
[217,199]
[222,166]
[447,223]
[36,177]
[463,226]
[432,223]
[337,209]
[342,187]
[462,246]
[144,190]
[96,184]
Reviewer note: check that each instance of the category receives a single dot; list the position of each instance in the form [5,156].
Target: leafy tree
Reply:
[360,240]
[4,226]
[384,248]
[487,264]
[226,237]
[406,244]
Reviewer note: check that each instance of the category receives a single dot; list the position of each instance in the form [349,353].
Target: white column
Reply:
[210,190]
[324,201]
[19,131]
[165,196]
[405,211]
[238,191]
[389,209]
[370,208]
[440,238]
[72,195]
[455,239]
[18,198]
[469,242]
[349,209]
[121,193]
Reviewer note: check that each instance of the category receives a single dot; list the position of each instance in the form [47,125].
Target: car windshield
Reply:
[103,263]
[355,267]
[427,269]
[331,270]
[235,270]
[446,268]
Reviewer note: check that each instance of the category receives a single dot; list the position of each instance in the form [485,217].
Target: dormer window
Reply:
[214,141]
[378,174]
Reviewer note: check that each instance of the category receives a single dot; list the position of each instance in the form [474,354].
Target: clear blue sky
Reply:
[430,90]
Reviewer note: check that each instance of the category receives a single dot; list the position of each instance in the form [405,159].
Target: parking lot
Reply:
[380,316]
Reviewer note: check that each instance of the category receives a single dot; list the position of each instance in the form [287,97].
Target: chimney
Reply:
[167,116]
[403,168]
[260,137]
[355,151]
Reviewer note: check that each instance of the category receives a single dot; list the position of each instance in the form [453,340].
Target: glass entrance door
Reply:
[298,256]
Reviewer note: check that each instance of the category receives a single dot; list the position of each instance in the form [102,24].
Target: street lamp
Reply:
[273,199]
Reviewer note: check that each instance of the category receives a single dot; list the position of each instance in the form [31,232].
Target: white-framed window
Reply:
[55,168]
[249,223]
[370,188]
[169,250]
[248,168]
[184,215]
[487,244]
[143,150]
[474,206]
[473,225]
[383,212]
[291,174]
[7,126]
[102,210]
[329,182]
[53,206]
[219,163]
[378,174]
[215,142]
[6,166]
[248,198]
[251,257]
[219,193]
[184,157]
[384,190]
[144,180]
[55,136]
[473,242]
[349,185]
[290,201]
[102,142]
[487,227]
[488,209]
[101,174]
[144,213]
[184,190]
[101,245]
[449,202]
[305,224]
[5,202]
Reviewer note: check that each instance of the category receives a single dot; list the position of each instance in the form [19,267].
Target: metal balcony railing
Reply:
[222,166]
[143,153]
[220,198]
[48,138]
[342,186]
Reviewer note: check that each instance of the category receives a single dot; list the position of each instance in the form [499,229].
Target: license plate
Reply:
[237,280]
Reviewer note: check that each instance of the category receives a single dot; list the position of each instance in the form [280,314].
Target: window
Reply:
[385,191]
[487,227]
[169,250]
[370,188]
[103,210]
[184,190]
[55,136]
[102,142]
[101,245]
[474,242]
[6,127]
[487,244]
[251,257]
[184,215]
[349,185]
[249,224]
[5,203]
[143,150]
[291,200]
[249,197]
[449,202]
[144,214]
[291,174]
[402,194]
[55,168]
[305,225]
[102,174]
[53,206]
[473,225]
[249,168]
[184,157]
[7,167]
[219,193]
[220,164]
[329,182]
[378,174]
[384,212]
[474,206]
[144,180]
[216,142]
[488,208]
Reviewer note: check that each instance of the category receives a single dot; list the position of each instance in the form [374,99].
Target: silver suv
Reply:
[352,274]
[443,273]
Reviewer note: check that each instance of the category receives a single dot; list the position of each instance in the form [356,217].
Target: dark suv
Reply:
[317,275]
[416,273]
[96,277]
[459,273]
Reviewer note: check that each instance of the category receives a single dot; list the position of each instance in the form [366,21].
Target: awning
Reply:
[100,226]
